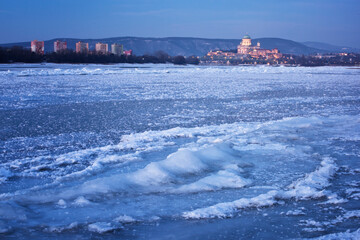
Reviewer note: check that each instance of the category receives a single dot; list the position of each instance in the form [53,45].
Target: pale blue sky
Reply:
[335,22]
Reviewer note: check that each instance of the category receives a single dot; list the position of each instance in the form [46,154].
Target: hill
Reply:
[184,45]
[331,48]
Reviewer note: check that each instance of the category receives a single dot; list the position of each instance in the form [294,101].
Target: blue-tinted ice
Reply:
[167,152]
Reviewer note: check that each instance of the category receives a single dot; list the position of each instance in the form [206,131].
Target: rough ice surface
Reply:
[311,186]
[146,151]
[343,236]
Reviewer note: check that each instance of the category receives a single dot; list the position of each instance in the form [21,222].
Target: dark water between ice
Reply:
[165,152]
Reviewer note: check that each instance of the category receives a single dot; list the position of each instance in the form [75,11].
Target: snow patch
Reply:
[296,212]
[59,229]
[81,201]
[102,227]
[125,219]
[61,203]
[219,180]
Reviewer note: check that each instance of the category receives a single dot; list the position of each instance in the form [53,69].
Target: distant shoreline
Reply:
[201,64]
[20,55]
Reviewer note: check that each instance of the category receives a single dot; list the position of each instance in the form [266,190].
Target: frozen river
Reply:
[167,152]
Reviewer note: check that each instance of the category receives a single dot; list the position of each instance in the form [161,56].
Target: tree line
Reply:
[19,54]
[351,59]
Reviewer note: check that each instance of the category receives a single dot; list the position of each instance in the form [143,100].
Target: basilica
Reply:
[255,51]
[247,49]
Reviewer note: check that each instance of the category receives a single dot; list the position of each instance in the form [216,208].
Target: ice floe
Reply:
[311,186]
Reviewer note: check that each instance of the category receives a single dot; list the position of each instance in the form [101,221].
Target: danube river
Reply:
[179,152]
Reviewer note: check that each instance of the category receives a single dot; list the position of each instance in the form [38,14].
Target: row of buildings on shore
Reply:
[81,47]
[245,50]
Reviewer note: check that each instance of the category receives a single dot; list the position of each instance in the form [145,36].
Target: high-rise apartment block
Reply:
[117,49]
[37,47]
[59,46]
[101,48]
[82,47]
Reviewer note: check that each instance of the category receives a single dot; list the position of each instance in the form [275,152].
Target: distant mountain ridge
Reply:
[192,46]
[330,47]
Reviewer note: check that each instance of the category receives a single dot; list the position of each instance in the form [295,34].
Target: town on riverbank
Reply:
[246,53]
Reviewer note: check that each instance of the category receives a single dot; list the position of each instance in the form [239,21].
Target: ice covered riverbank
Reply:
[128,151]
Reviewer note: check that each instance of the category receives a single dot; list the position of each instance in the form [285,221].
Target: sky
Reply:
[330,21]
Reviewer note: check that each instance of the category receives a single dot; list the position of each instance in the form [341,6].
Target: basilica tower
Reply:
[245,45]
[246,41]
